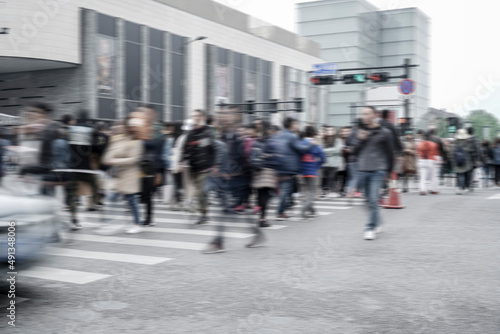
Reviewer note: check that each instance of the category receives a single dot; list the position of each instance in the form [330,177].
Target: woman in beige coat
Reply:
[124,153]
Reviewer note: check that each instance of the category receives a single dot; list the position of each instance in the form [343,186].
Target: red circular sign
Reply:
[406,86]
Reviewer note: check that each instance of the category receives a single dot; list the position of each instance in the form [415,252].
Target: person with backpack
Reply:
[461,158]
[496,161]
[264,162]
[310,165]
[487,158]
[427,151]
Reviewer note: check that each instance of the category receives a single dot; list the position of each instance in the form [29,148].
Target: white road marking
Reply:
[63,275]
[117,257]
[138,242]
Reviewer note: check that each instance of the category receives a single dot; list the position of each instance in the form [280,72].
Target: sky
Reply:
[465,50]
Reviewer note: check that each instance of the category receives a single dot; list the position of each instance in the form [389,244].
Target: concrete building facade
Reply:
[110,56]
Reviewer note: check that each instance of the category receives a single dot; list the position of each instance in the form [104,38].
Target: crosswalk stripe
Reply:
[63,275]
[497,196]
[117,257]
[138,242]
[174,221]
[185,231]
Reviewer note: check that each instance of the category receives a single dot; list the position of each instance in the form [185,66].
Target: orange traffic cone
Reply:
[392,201]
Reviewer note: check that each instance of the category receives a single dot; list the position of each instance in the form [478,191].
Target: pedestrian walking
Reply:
[310,165]
[487,157]
[375,155]
[291,149]
[332,147]
[124,153]
[427,150]
[496,161]
[409,165]
[199,154]
[461,156]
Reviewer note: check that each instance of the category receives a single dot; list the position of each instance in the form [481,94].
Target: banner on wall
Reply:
[106,66]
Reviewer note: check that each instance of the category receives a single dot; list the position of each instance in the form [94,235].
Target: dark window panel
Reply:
[132,32]
[177,43]
[238,60]
[156,38]
[156,77]
[252,64]
[107,108]
[106,25]
[131,106]
[177,87]
[132,72]
[177,113]
[222,56]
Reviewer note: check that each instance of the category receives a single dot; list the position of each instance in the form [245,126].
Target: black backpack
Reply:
[460,156]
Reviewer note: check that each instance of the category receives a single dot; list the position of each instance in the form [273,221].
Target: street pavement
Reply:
[433,269]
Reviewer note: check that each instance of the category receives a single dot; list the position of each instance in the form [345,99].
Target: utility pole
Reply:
[407,76]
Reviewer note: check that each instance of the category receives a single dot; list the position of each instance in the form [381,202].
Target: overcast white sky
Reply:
[465,52]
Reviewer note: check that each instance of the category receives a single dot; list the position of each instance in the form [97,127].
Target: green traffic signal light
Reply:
[452,128]
[360,78]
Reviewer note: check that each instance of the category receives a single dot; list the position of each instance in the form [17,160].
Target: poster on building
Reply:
[106,66]
[221,83]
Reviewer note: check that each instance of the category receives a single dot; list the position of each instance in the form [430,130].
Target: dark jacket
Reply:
[376,151]
[236,157]
[49,133]
[291,149]
[396,142]
[200,149]
[81,139]
[264,154]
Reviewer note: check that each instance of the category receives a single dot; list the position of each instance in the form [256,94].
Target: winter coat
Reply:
[333,155]
[466,146]
[311,162]
[200,149]
[291,149]
[264,154]
[375,153]
[396,142]
[125,154]
[410,158]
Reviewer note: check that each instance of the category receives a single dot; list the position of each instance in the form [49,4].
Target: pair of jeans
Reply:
[486,175]
[329,178]
[371,182]
[132,202]
[352,183]
[148,190]
[286,184]
[309,192]
[461,180]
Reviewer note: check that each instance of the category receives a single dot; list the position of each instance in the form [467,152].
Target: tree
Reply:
[481,118]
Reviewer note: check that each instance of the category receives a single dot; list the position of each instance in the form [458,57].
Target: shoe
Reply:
[334,195]
[263,224]
[214,247]
[369,235]
[76,226]
[357,194]
[434,192]
[258,241]
[405,190]
[460,192]
[202,220]
[256,209]
[134,230]
[146,223]
[282,217]
[304,217]
[92,209]
[423,193]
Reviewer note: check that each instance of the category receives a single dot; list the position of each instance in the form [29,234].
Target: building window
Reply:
[222,75]
[156,67]
[177,70]
[238,72]
[133,60]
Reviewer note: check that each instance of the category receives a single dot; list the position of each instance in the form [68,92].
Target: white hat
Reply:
[187,125]
[462,134]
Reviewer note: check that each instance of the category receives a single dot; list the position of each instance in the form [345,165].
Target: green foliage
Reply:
[480,118]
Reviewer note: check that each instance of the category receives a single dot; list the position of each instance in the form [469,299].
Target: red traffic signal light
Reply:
[379,77]
[322,80]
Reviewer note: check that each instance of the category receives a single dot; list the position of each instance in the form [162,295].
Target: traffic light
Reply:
[354,78]
[323,80]
[453,124]
[380,77]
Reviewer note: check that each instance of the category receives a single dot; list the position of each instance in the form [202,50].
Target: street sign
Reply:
[325,69]
[406,86]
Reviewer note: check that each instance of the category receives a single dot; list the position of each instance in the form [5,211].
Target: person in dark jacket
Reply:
[487,159]
[200,151]
[291,149]
[375,155]
[152,162]
[310,165]
[476,158]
